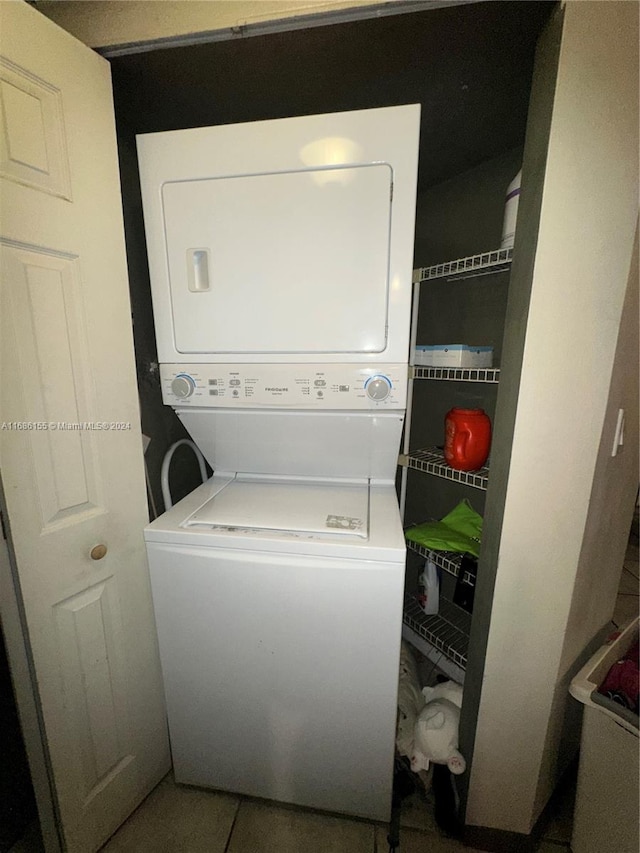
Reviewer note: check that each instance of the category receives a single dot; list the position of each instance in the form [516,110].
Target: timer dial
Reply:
[183,386]
[378,388]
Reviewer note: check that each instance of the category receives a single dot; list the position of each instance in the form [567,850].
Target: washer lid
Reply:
[314,507]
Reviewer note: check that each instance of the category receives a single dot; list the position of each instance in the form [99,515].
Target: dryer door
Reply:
[282,263]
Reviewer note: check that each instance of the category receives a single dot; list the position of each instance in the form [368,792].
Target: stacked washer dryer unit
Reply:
[280,255]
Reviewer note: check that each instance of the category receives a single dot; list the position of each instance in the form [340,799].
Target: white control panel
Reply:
[300,386]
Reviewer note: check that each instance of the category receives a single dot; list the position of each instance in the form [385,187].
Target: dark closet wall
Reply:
[469,66]
[459,217]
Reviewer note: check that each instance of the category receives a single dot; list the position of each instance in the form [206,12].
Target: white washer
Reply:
[278,596]
[280,255]
[280,642]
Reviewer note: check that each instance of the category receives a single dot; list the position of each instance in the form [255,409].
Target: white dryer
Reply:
[286,241]
[280,254]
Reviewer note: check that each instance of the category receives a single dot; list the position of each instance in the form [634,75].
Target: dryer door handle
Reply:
[198,270]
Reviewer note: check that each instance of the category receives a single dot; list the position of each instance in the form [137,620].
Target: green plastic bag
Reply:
[460,531]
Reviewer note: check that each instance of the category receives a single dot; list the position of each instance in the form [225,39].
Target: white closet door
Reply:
[70,444]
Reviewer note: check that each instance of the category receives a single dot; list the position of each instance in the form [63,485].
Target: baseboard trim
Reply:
[503,841]
[499,840]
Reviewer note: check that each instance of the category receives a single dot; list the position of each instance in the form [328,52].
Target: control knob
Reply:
[183,386]
[378,387]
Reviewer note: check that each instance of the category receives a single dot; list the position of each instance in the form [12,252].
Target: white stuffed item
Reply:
[444,690]
[410,701]
[436,729]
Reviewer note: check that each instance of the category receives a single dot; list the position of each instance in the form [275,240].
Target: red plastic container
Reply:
[467,438]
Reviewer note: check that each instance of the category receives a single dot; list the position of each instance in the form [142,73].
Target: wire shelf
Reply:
[448,631]
[448,561]
[497,261]
[457,374]
[431,461]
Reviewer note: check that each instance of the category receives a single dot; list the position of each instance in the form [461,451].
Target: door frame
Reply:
[25,693]
[201,30]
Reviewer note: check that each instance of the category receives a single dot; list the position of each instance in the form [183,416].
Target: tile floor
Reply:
[627,602]
[177,819]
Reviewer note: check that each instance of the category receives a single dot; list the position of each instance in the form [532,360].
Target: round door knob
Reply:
[378,388]
[183,386]
[98,552]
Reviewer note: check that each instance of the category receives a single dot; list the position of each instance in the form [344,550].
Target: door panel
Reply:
[257,263]
[32,147]
[93,667]
[44,298]
[70,443]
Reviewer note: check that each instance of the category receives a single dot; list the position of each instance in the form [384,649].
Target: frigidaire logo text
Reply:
[276,389]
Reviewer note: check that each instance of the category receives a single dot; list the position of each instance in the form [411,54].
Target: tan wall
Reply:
[539,617]
[99,23]
[607,526]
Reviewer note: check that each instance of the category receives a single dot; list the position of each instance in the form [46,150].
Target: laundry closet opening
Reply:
[469,66]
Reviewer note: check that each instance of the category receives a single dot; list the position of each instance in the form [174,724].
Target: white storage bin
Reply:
[453,355]
[606,811]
